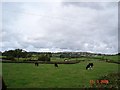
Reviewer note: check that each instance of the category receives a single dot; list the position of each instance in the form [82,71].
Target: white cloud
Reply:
[59,26]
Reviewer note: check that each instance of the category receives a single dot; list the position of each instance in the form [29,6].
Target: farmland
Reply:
[47,76]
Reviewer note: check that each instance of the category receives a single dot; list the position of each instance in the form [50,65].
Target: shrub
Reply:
[44,58]
[113,78]
[8,58]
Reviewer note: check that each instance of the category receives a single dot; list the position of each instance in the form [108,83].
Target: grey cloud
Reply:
[92,5]
[89,30]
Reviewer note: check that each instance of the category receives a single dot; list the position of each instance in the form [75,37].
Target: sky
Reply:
[60,26]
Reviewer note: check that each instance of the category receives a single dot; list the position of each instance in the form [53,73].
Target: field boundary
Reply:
[43,62]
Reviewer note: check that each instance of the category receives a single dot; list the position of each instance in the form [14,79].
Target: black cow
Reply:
[89,66]
[36,64]
[55,65]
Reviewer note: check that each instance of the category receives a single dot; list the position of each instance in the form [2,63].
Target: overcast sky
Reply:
[60,26]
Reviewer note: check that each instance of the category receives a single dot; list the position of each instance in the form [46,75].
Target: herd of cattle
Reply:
[89,66]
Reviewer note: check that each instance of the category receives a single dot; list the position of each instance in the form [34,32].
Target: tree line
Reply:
[19,53]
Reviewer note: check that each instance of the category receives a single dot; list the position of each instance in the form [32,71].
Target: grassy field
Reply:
[46,75]
[112,57]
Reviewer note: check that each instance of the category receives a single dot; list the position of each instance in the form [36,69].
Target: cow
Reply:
[36,64]
[65,60]
[89,66]
[55,65]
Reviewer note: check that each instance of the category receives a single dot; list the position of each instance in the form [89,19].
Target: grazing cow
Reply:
[65,60]
[36,64]
[55,65]
[89,66]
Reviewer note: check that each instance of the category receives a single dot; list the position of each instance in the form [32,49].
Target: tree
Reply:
[44,57]
[9,55]
[17,53]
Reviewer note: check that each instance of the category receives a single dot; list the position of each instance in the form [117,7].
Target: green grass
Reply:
[46,75]
[82,58]
[114,80]
[2,56]
[114,57]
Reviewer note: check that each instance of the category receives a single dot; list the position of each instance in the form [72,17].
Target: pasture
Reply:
[27,75]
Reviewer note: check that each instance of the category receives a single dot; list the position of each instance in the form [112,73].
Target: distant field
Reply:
[46,75]
[112,57]
[82,58]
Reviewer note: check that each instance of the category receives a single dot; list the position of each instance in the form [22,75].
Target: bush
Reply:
[8,58]
[44,58]
[113,78]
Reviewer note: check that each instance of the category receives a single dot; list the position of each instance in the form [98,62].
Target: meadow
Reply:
[27,75]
